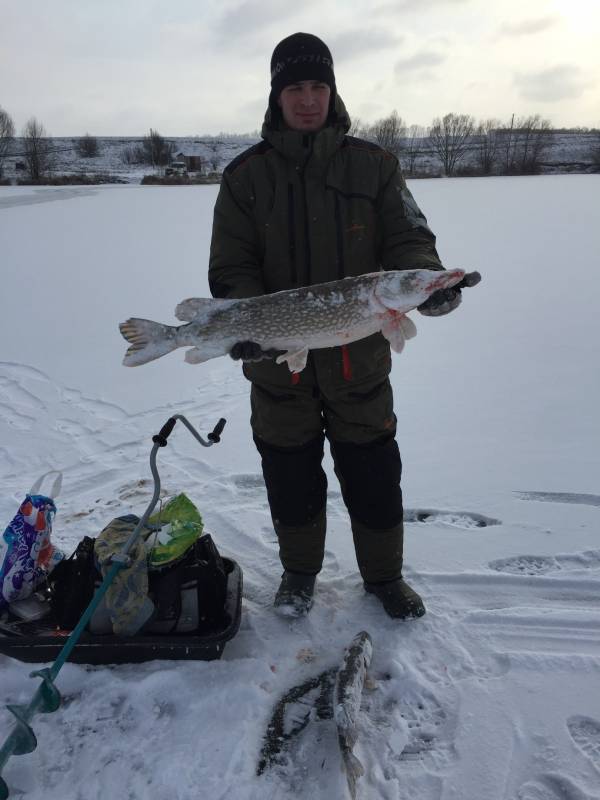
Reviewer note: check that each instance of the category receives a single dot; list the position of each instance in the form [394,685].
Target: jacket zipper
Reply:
[292,234]
[306,232]
[339,237]
[308,143]
[346,362]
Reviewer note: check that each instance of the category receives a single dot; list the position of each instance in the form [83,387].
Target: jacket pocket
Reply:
[355,230]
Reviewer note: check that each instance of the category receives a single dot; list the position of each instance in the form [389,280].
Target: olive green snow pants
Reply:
[290,423]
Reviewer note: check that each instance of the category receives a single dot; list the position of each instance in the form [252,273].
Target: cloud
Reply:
[563,82]
[419,62]
[359,42]
[414,7]
[251,17]
[527,27]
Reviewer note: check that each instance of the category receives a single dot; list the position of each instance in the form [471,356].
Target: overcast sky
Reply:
[120,67]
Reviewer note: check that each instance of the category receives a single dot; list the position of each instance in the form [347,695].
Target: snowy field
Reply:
[495,693]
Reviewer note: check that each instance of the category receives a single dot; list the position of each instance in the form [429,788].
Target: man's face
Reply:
[305,105]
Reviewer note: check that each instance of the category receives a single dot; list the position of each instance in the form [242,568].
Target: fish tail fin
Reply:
[147,340]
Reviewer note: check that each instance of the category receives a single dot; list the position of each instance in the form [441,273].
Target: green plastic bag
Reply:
[181,525]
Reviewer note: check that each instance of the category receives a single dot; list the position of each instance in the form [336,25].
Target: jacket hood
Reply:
[293,143]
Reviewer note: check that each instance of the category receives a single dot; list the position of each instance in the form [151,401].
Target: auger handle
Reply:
[161,437]
[215,435]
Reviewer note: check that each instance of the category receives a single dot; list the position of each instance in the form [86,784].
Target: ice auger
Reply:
[22,739]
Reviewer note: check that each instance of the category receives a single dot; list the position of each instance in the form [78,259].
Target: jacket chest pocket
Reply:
[282,251]
[355,219]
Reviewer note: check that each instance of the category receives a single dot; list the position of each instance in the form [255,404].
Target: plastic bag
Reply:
[26,553]
[181,526]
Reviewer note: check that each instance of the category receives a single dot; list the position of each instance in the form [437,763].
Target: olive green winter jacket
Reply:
[299,209]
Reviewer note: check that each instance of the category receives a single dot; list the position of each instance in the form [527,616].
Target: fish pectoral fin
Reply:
[397,328]
[296,360]
[189,309]
[195,355]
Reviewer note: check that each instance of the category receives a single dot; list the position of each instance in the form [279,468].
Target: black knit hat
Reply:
[300,57]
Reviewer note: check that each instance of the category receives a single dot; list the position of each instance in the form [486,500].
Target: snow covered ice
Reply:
[495,693]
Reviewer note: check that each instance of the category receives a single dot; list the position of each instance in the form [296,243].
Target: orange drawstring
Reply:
[346,364]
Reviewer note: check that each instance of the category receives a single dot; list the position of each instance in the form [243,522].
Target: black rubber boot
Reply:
[294,597]
[398,599]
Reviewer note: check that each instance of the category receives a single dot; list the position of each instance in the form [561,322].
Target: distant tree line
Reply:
[461,145]
[36,148]
[457,143]
[7,133]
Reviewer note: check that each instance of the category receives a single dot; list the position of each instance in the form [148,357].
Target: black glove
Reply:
[446,300]
[441,302]
[250,351]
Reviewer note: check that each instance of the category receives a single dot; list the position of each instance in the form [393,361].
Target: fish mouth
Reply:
[447,279]
[413,286]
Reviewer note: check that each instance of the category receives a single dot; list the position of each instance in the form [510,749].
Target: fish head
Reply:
[403,290]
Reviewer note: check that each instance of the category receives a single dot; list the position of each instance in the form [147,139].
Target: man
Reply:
[306,205]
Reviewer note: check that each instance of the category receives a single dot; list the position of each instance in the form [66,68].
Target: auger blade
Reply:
[50,696]
[22,736]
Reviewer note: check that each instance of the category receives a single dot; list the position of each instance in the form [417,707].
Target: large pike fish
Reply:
[293,321]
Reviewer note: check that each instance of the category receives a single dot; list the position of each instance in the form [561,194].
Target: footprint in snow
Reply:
[585,732]
[552,787]
[248,482]
[428,723]
[425,735]
[562,497]
[455,519]
[134,489]
[540,565]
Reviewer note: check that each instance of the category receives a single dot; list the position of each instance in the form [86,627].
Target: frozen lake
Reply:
[495,693]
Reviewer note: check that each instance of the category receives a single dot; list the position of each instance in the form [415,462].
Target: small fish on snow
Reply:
[347,694]
[293,321]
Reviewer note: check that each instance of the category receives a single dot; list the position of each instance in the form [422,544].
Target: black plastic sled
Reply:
[35,643]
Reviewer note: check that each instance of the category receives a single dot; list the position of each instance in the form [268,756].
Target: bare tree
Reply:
[215,155]
[450,139]
[389,132]
[356,128]
[7,133]
[525,143]
[538,138]
[156,150]
[88,147]
[415,145]
[133,154]
[595,152]
[36,147]
[487,145]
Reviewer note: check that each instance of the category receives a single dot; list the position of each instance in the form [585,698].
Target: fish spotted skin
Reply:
[295,320]
[347,695]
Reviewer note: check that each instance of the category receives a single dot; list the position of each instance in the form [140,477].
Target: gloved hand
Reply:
[250,351]
[441,302]
[446,300]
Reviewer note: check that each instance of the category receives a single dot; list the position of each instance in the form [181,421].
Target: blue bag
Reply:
[26,553]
